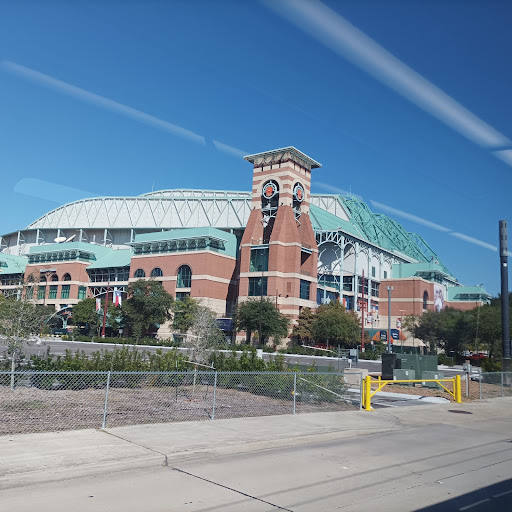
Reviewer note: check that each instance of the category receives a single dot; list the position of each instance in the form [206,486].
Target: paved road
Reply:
[425,463]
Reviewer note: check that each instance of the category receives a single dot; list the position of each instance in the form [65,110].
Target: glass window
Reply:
[385,274]
[53,291]
[64,293]
[184,277]
[66,277]
[259,260]
[41,292]
[29,292]
[82,292]
[55,277]
[304,289]
[157,272]
[425,300]
[182,295]
[375,289]
[139,273]
[257,286]
[360,285]
[347,283]
[373,271]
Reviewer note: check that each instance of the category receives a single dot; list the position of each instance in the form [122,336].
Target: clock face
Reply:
[269,190]
[298,192]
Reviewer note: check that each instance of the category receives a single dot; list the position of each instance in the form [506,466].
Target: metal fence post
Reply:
[214,394]
[12,370]
[106,402]
[480,385]
[294,390]
[361,391]
[502,388]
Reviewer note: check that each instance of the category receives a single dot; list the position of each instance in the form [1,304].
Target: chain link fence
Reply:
[50,401]
[495,384]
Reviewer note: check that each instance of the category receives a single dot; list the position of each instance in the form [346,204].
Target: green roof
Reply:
[12,264]
[114,258]
[230,242]
[475,293]
[401,270]
[99,250]
[325,221]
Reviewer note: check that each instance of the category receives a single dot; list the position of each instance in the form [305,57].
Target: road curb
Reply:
[46,475]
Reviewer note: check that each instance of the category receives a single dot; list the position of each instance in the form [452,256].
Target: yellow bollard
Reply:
[368,393]
[458,397]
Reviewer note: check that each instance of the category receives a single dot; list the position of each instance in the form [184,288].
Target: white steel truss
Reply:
[164,211]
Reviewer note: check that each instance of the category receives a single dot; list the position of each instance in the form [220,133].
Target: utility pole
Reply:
[401,320]
[390,289]
[362,315]
[105,311]
[505,325]
[260,342]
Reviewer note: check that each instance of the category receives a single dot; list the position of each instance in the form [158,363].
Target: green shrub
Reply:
[444,359]
[372,355]
[491,365]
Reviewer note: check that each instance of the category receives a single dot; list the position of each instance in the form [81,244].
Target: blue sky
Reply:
[406,104]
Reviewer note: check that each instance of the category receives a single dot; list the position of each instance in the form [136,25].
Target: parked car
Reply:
[477,357]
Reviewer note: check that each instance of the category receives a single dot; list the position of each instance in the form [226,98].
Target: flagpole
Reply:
[105,311]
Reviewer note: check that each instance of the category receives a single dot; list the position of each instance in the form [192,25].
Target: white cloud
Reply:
[101,101]
[475,241]
[343,38]
[337,190]
[408,216]
[505,155]
[50,191]
[230,150]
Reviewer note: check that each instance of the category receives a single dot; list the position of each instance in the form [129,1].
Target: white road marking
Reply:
[467,507]
[502,494]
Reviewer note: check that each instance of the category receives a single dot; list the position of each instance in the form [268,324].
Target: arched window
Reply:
[55,277]
[66,277]
[157,272]
[139,273]
[425,300]
[184,277]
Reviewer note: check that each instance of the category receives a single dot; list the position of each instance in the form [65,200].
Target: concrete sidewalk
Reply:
[36,458]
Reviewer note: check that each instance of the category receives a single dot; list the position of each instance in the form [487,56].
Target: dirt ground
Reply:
[29,409]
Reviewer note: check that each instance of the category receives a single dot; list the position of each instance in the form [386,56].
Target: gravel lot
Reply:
[29,409]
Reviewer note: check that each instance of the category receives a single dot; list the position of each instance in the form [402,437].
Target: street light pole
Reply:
[401,320]
[390,289]
[105,311]
[362,315]
[505,323]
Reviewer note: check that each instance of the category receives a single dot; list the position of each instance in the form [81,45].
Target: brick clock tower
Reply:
[278,257]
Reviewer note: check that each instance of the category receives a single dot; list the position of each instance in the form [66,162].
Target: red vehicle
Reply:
[477,357]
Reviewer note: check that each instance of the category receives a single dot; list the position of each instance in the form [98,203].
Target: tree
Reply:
[450,330]
[302,330]
[334,323]
[204,335]
[184,314]
[148,305]
[20,320]
[487,327]
[252,313]
[85,313]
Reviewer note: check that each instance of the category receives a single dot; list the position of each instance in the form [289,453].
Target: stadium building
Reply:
[277,240]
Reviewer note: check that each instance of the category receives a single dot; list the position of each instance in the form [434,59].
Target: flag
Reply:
[118,300]
[98,304]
